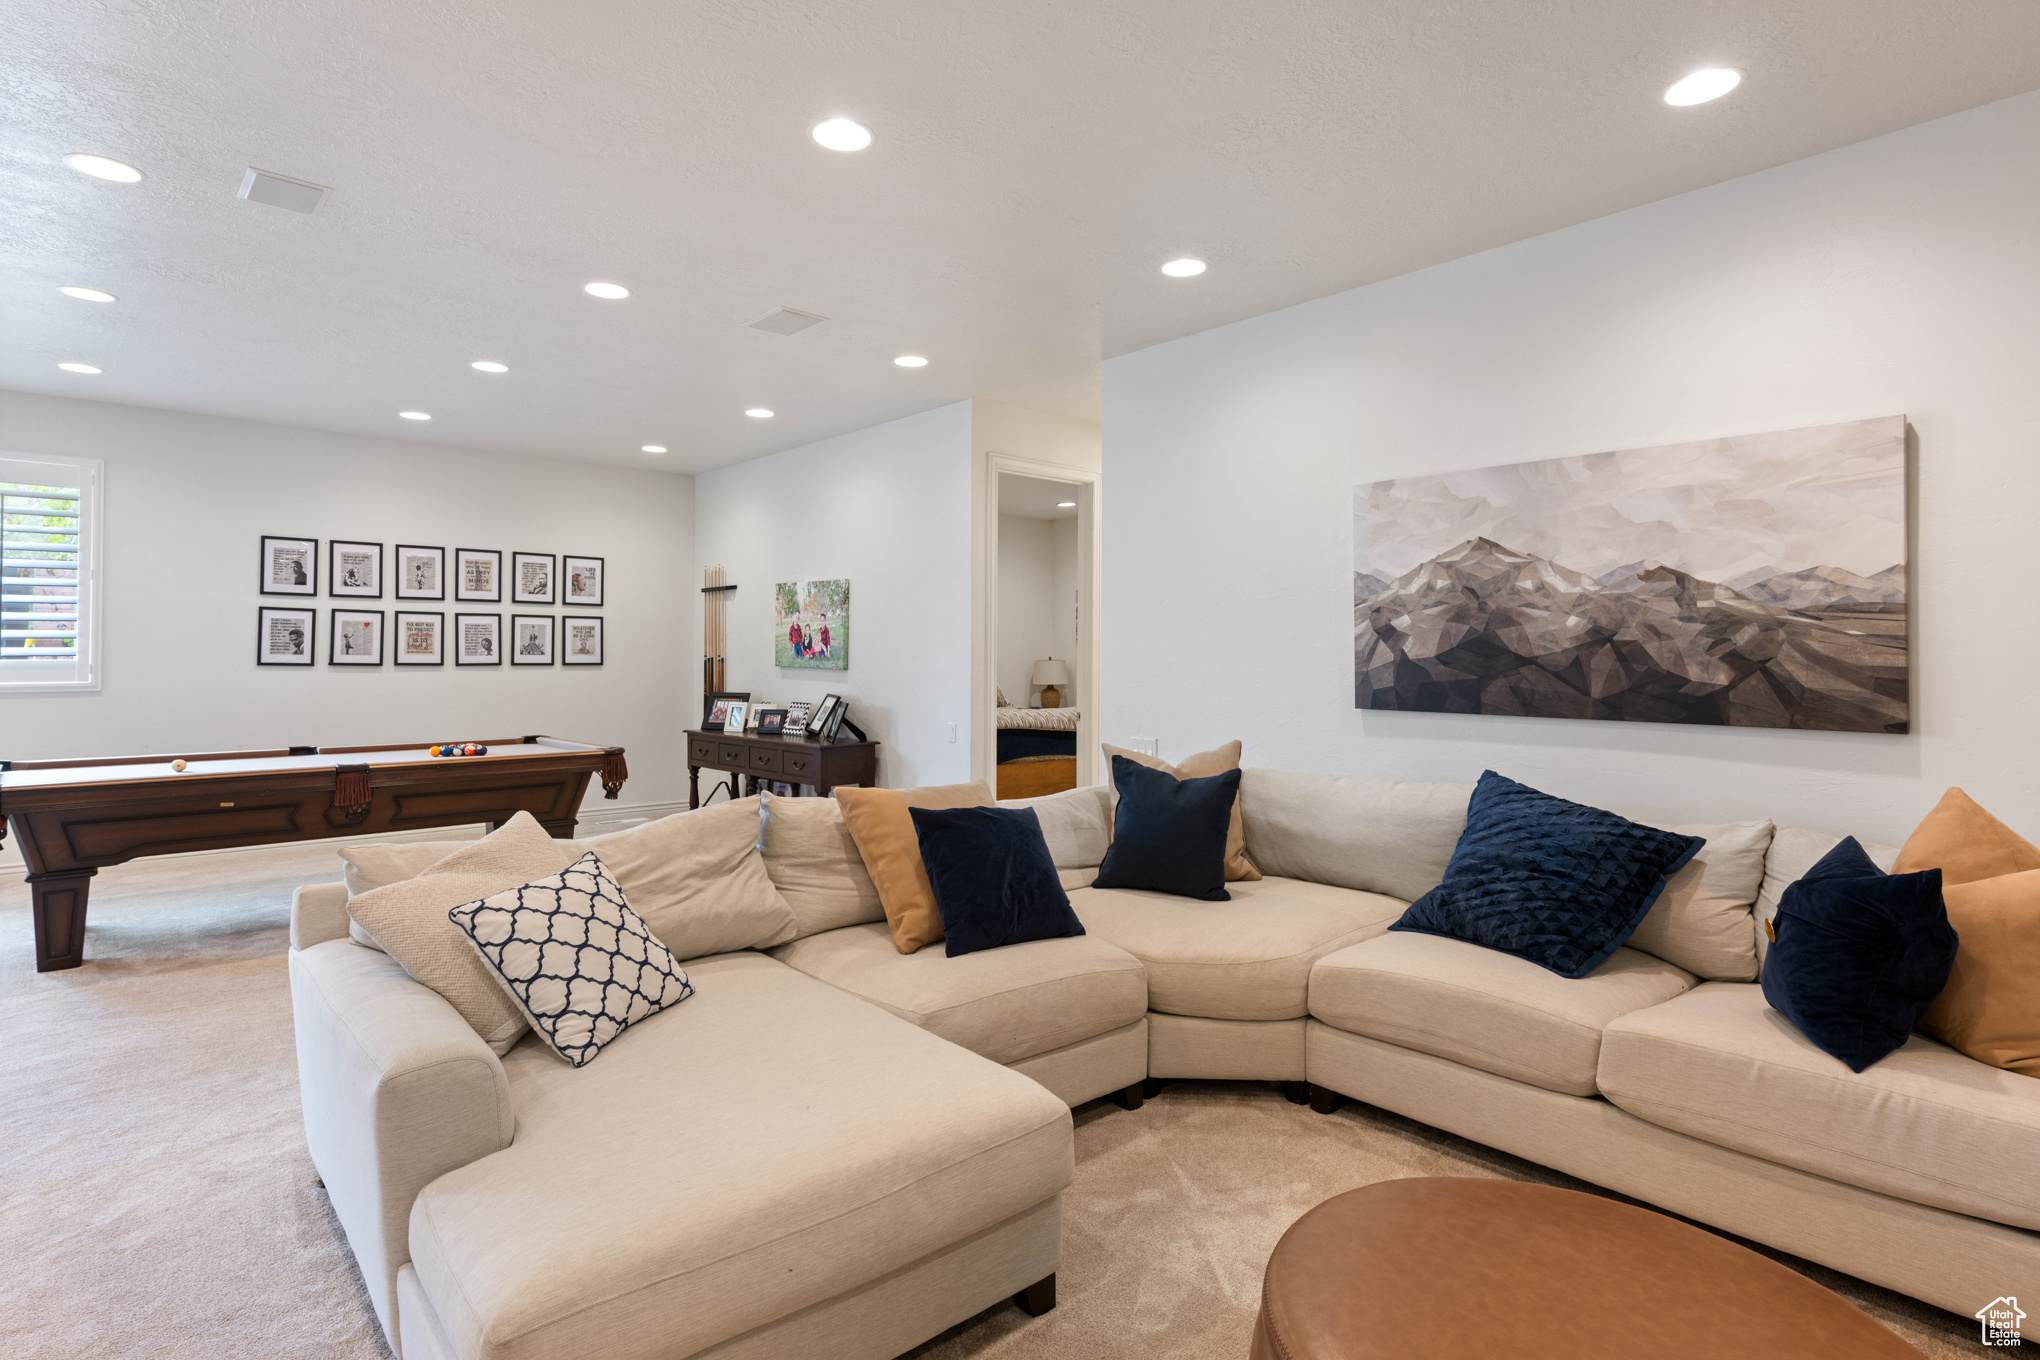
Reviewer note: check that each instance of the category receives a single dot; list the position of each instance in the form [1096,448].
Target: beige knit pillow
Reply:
[699,881]
[409,921]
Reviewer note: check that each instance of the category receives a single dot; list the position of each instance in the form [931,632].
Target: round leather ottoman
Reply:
[1436,1267]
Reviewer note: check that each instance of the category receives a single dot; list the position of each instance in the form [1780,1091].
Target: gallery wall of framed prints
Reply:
[353,570]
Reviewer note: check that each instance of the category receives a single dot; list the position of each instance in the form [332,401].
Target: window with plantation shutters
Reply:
[48,573]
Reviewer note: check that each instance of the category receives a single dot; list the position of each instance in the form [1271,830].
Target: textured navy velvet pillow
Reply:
[994,880]
[1557,883]
[1169,834]
[1859,955]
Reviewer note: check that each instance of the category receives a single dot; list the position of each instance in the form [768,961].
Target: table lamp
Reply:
[1049,674]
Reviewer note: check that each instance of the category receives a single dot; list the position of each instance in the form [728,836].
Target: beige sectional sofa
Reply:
[833,1148]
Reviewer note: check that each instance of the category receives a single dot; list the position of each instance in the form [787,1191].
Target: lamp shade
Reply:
[1051,672]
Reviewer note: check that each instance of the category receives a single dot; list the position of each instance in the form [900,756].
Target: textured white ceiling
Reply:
[1035,162]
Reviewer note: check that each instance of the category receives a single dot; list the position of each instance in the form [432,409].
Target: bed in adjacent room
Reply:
[1037,751]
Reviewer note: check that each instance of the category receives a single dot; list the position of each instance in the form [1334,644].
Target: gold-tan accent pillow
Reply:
[698,880]
[814,864]
[409,922]
[1238,868]
[1990,1008]
[1965,843]
[884,831]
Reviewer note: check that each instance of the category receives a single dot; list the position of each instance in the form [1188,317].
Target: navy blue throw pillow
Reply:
[1557,883]
[1169,834]
[1859,954]
[995,882]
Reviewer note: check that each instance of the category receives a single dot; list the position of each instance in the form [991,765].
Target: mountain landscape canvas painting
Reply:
[1752,581]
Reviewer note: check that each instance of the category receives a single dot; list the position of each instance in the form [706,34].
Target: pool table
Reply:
[74,817]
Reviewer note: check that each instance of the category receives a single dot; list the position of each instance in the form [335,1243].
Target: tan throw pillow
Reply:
[1965,843]
[409,921]
[698,880]
[365,868]
[1990,1008]
[1238,868]
[1701,921]
[884,832]
[815,865]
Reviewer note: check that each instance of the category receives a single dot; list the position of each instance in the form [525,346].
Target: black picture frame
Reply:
[819,719]
[309,565]
[708,702]
[308,647]
[335,635]
[771,722]
[836,716]
[518,655]
[399,650]
[567,580]
[495,653]
[337,585]
[572,637]
[398,565]
[518,561]
[461,593]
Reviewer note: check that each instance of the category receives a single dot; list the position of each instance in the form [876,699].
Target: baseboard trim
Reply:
[597,820]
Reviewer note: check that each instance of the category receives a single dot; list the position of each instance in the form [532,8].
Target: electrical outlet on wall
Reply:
[952,734]
[1147,746]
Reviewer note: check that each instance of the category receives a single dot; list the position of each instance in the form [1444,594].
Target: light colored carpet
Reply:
[156,1198]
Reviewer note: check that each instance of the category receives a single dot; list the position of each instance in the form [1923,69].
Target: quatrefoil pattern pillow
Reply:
[574,957]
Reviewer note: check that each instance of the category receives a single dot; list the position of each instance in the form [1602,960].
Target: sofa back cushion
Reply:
[1701,921]
[813,861]
[1373,835]
[1076,823]
[1793,851]
[698,880]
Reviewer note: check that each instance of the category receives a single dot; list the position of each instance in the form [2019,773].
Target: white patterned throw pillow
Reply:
[574,957]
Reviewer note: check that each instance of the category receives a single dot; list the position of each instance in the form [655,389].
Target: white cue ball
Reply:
[177,765]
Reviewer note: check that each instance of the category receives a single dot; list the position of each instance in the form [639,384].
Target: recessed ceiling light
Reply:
[415,415]
[1065,505]
[654,448]
[1185,268]
[759,413]
[841,134]
[79,368]
[1702,86]
[612,291]
[489,366]
[103,167]
[911,361]
[87,294]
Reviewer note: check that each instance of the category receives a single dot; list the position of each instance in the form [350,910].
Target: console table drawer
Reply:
[796,765]
[764,760]
[701,752]
[729,755]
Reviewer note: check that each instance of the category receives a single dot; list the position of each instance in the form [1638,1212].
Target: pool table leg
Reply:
[58,901]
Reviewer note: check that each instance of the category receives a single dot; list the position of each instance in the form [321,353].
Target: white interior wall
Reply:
[186,501]
[1899,275]
[1027,582]
[889,508]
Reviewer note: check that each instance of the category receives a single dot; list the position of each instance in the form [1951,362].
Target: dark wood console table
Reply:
[820,765]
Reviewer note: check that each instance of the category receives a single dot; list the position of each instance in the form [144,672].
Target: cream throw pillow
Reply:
[1076,823]
[698,880]
[365,868]
[814,863]
[409,920]
[1238,868]
[1701,921]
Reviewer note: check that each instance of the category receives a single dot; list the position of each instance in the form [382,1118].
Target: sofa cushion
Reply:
[1245,959]
[1926,1125]
[1793,851]
[1169,834]
[1487,1009]
[699,880]
[1003,1004]
[1701,921]
[771,1144]
[1374,835]
[882,825]
[813,861]
[1076,823]
[1239,867]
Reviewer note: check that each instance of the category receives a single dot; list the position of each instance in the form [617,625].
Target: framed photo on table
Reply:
[581,640]
[290,566]
[478,575]
[421,639]
[354,570]
[531,578]
[836,716]
[581,581]
[797,716]
[716,707]
[531,639]
[771,722]
[286,637]
[733,716]
[477,639]
[818,720]
[421,572]
[356,639]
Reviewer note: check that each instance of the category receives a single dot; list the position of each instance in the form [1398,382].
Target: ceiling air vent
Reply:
[281,191]
[786,321]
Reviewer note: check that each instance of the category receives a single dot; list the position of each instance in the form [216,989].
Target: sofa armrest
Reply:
[318,913]
[397,1089]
